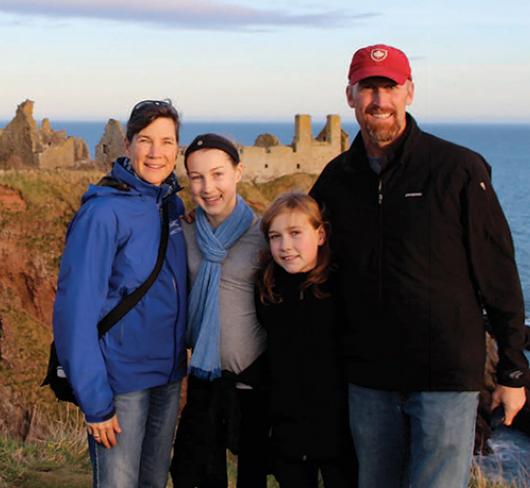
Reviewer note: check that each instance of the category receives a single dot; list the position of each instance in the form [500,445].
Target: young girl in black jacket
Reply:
[295,304]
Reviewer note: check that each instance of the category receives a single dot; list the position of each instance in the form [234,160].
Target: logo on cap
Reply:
[379,54]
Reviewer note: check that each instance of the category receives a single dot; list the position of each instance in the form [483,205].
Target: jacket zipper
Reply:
[380,250]
[303,392]
[175,327]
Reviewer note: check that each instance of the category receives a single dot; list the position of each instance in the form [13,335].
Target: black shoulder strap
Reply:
[114,183]
[120,310]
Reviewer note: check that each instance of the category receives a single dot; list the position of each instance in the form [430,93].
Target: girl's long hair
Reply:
[288,202]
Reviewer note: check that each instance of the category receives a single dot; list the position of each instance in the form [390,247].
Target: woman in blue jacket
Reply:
[127,383]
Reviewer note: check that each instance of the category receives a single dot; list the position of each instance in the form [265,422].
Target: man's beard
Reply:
[382,136]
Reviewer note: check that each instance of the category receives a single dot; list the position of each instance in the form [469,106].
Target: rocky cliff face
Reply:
[23,145]
[35,207]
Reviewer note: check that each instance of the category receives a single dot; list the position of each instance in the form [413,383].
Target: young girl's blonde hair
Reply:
[288,202]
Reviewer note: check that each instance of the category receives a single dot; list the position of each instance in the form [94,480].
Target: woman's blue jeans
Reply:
[141,458]
[417,440]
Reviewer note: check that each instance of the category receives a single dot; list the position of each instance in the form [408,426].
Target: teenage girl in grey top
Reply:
[226,404]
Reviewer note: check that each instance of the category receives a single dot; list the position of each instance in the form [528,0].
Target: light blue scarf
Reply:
[204,326]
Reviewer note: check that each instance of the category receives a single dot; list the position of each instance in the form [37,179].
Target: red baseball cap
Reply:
[379,60]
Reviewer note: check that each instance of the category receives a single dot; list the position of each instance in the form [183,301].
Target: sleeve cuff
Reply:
[514,378]
[92,419]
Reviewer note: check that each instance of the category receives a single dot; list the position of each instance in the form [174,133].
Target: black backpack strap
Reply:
[120,310]
[114,183]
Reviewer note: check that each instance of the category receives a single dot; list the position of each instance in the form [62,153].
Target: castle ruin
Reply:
[304,155]
[23,145]
[267,159]
[111,144]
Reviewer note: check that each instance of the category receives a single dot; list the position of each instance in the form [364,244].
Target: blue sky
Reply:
[244,60]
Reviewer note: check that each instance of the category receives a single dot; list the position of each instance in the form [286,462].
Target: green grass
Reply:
[61,462]
[58,460]
[41,465]
[480,480]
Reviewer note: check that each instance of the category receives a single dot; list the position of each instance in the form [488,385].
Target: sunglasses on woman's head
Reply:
[150,103]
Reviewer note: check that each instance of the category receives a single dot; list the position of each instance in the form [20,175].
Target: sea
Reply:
[506,147]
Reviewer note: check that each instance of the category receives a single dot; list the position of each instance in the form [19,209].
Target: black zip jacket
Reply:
[421,248]
[308,391]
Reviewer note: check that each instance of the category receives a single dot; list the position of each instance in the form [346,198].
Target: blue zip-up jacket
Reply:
[111,248]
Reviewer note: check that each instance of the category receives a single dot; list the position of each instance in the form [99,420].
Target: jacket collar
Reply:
[288,280]
[357,160]
[122,171]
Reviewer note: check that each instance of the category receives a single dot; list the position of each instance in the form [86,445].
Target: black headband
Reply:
[212,141]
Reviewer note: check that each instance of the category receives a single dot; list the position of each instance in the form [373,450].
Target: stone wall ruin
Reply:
[267,159]
[24,145]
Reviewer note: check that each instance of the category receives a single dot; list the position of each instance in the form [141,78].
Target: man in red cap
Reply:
[422,247]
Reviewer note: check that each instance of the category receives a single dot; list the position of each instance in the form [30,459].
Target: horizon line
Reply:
[344,121]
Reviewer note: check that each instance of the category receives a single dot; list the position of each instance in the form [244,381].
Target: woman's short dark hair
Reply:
[147,111]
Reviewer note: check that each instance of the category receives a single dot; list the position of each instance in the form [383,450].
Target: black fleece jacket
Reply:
[421,249]
[308,396]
